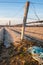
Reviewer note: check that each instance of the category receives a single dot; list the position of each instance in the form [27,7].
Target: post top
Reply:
[27,3]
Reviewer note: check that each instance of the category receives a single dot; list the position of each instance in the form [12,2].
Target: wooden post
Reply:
[24,20]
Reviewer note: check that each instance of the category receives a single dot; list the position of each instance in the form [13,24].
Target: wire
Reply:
[11,2]
[35,13]
[21,2]
[32,18]
[35,22]
[23,7]
[36,3]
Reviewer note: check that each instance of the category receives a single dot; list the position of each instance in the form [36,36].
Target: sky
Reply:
[14,10]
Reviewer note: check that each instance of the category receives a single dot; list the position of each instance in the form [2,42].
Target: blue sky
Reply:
[15,11]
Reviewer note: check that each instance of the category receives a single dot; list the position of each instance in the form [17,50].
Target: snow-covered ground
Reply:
[8,38]
[1,35]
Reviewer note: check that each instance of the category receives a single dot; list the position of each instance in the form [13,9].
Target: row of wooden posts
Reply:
[24,20]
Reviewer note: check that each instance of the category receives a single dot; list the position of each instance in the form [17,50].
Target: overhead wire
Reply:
[34,10]
[21,2]
[36,3]
[23,7]
[10,2]
[32,18]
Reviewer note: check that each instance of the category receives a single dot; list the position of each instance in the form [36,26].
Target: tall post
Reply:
[24,20]
[9,22]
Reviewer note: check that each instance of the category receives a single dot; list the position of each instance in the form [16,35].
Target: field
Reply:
[36,32]
[13,51]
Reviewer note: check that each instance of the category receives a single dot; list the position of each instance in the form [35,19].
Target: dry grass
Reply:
[17,55]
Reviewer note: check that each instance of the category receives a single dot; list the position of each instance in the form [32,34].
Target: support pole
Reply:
[24,20]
